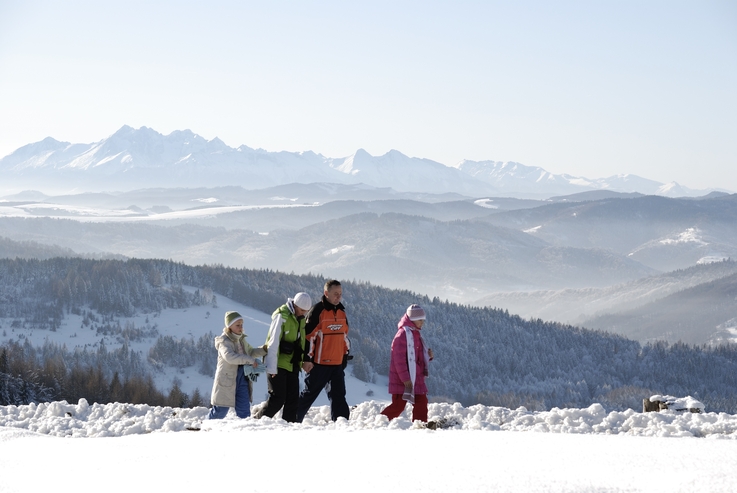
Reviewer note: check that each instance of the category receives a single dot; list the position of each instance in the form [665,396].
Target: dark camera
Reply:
[286,347]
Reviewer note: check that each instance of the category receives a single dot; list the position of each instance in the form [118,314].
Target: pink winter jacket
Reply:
[398,369]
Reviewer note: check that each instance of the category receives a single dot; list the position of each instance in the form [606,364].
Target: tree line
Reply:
[50,373]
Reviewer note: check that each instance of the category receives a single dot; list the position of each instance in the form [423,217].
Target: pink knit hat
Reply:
[415,312]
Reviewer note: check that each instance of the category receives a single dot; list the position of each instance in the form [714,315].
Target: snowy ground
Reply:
[481,449]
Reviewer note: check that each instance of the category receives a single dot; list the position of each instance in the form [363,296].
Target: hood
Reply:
[406,322]
[233,337]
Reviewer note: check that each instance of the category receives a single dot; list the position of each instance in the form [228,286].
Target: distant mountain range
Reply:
[662,233]
[461,260]
[132,159]
[459,249]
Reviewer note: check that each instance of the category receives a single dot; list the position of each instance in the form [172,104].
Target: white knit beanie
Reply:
[303,301]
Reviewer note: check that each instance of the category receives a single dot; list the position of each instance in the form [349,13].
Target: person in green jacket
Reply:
[285,344]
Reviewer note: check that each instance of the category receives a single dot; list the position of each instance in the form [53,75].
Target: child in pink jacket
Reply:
[409,366]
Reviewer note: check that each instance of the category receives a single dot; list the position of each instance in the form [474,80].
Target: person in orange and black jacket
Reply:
[326,327]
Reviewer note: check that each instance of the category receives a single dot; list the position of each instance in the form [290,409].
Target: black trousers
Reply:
[330,378]
[283,392]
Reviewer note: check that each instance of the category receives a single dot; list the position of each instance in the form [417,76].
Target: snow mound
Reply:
[98,420]
[106,420]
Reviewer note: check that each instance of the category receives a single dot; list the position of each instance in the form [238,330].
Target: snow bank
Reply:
[98,420]
[107,420]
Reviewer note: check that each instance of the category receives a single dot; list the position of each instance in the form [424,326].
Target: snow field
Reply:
[361,455]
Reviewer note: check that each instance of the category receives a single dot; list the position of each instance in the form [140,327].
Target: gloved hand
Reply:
[409,392]
[346,358]
[251,370]
[409,396]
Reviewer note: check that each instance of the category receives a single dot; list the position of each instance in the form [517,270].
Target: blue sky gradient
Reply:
[586,88]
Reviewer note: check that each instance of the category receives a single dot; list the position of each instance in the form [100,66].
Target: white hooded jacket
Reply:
[229,358]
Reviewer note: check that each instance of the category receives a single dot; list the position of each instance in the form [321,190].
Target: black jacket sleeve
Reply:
[312,319]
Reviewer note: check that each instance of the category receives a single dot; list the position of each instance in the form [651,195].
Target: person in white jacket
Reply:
[285,344]
[232,386]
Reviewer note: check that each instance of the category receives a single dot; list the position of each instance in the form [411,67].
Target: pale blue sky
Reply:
[588,88]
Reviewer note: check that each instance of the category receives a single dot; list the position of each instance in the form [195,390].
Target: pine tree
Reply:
[196,399]
[116,389]
[4,379]
[177,398]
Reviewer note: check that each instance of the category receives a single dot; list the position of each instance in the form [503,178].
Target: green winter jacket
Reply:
[285,329]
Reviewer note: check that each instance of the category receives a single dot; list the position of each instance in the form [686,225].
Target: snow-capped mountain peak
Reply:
[351,165]
[144,158]
[515,177]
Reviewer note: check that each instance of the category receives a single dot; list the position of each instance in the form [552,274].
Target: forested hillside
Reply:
[483,355]
[579,306]
[707,312]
